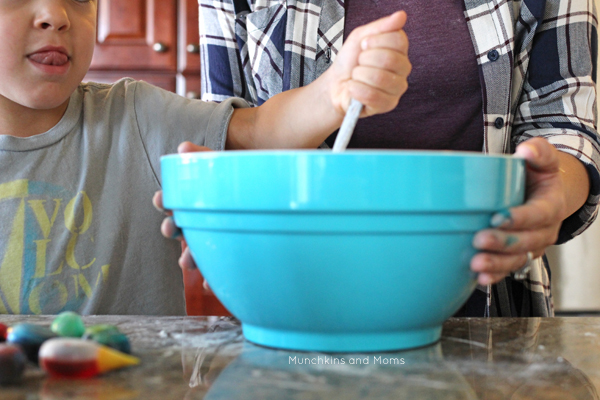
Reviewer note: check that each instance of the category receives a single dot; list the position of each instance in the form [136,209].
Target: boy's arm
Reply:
[371,67]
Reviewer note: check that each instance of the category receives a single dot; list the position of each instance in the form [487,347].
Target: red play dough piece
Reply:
[3,333]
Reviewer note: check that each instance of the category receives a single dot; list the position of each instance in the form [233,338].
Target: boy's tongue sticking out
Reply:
[49,57]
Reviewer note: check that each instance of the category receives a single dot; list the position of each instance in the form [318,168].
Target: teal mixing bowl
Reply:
[338,252]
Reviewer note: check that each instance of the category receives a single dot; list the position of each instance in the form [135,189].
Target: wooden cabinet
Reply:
[199,300]
[155,41]
[139,34]
[188,70]
[151,40]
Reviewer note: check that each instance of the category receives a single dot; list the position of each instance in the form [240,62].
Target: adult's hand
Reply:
[168,227]
[372,66]
[532,226]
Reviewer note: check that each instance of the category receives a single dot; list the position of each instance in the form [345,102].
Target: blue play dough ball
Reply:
[30,337]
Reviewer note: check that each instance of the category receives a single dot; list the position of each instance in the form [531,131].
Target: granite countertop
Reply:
[207,358]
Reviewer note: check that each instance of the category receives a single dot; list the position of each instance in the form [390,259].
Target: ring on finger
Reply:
[522,272]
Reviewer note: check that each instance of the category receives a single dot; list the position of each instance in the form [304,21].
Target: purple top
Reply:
[442,108]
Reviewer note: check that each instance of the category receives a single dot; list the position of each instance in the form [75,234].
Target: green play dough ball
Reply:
[100,328]
[68,324]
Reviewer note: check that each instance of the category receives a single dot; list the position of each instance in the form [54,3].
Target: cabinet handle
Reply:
[192,95]
[193,48]
[159,47]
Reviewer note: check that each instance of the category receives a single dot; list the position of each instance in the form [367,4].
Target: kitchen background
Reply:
[576,273]
[157,41]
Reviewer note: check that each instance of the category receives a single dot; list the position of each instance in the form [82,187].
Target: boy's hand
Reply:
[372,67]
[168,227]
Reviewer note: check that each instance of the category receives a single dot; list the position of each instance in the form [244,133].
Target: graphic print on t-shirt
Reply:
[45,261]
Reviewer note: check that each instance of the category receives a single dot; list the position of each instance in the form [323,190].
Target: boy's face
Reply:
[46,48]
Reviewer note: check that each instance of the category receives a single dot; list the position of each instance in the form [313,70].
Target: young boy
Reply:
[81,161]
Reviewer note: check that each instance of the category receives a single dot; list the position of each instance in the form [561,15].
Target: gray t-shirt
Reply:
[78,229]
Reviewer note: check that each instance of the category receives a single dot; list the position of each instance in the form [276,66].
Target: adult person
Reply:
[497,77]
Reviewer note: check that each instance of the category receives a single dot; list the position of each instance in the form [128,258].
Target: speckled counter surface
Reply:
[207,358]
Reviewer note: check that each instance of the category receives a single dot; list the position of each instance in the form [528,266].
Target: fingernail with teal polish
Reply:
[510,240]
[500,218]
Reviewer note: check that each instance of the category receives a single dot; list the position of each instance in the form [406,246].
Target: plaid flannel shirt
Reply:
[537,66]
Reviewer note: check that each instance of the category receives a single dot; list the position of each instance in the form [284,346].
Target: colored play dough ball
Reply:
[115,340]
[78,358]
[12,363]
[108,335]
[68,324]
[30,337]
[100,328]
[3,332]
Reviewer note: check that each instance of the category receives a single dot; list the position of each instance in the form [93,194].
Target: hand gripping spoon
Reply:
[348,124]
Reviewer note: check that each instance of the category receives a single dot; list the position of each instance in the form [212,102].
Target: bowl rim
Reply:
[327,153]
[486,194]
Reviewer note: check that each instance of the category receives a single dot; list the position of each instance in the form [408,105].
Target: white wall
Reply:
[576,267]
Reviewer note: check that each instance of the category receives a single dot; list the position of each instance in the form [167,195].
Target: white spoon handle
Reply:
[348,124]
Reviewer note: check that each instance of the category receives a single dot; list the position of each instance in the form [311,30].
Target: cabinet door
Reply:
[188,68]
[136,35]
